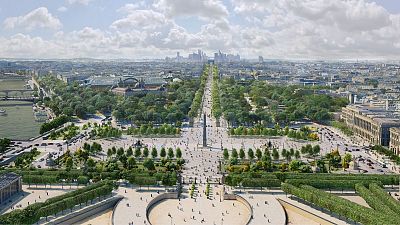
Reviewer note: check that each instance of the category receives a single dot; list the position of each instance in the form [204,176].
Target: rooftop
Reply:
[7,179]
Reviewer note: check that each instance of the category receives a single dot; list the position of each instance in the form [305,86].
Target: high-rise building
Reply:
[260,59]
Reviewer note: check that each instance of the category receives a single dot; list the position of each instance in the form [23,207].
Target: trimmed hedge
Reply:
[385,179]
[373,201]
[329,184]
[319,180]
[339,205]
[260,182]
[383,196]
[34,212]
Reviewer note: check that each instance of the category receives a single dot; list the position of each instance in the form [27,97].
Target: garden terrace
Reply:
[32,213]
[318,180]
[340,206]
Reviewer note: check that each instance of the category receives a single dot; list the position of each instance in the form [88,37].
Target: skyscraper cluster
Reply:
[201,56]
[223,57]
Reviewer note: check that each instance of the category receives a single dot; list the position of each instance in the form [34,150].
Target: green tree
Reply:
[120,152]
[170,153]
[138,152]
[275,154]
[149,164]
[145,152]
[154,153]
[109,153]
[69,163]
[178,153]
[163,153]
[250,154]
[226,154]
[129,152]
[258,154]
[131,162]
[297,154]
[242,155]
[234,153]
[91,164]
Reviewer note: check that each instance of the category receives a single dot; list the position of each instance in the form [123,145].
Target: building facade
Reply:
[370,123]
[395,140]
[10,184]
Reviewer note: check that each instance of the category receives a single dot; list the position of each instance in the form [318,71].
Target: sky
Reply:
[274,29]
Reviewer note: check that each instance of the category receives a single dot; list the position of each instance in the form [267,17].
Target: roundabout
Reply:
[200,210]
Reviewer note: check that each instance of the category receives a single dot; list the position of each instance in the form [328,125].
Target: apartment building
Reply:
[371,123]
[395,140]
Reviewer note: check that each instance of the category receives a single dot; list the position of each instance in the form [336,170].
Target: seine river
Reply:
[19,123]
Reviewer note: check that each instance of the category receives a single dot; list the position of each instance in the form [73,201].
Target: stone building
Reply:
[10,184]
[370,123]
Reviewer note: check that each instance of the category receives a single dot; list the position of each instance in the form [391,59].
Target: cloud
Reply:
[25,46]
[62,9]
[311,29]
[207,9]
[38,18]
[82,2]
[141,19]
[131,7]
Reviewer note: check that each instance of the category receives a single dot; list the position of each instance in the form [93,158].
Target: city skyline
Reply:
[289,29]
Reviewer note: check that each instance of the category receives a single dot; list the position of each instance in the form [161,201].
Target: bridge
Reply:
[21,91]
[24,101]
[18,98]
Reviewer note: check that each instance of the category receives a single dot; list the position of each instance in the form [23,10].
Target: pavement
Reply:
[33,194]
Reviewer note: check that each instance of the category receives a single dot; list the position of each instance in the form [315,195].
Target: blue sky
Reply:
[300,29]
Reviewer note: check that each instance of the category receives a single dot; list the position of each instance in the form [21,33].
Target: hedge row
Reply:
[260,182]
[338,205]
[319,180]
[329,184]
[357,209]
[373,201]
[32,213]
[385,179]
[383,196]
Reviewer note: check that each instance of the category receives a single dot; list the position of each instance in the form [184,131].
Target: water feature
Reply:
[19,122]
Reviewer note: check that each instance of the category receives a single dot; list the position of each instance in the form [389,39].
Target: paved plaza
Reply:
[33,194]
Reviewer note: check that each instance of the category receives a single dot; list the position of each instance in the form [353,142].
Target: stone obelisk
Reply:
[204,131]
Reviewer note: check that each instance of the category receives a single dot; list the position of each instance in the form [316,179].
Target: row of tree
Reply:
[4,144]
[58,121]
[105,131]
[215,95]
[165,129]
[198,97]
[338,205]
[65,134]
[145,152]
[304,133]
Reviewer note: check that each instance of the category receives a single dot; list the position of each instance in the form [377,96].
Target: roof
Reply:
[153,80]
[104,81]
[7,179]
[378,114]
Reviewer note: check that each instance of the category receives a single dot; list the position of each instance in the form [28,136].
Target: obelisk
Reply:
[204,131]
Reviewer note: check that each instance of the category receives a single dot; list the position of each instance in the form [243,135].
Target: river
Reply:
[19,123]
